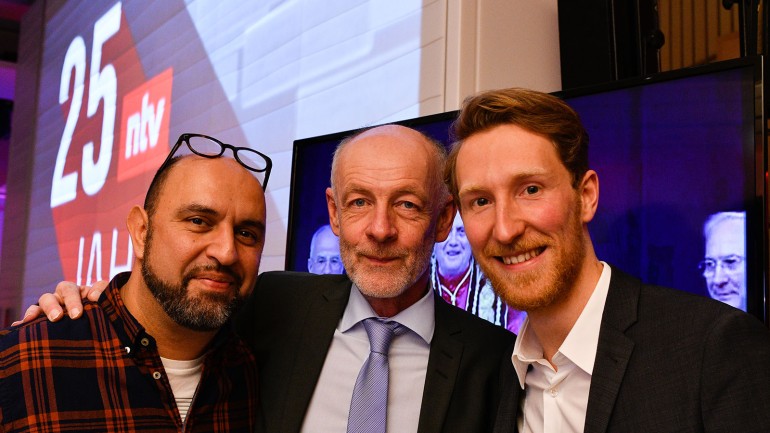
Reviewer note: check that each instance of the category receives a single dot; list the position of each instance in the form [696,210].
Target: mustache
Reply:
[213,268]
[520,246]
[382,252]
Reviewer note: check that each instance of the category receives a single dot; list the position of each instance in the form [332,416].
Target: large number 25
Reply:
[103,85]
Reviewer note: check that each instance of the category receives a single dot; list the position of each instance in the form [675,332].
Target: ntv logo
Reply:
[146,120]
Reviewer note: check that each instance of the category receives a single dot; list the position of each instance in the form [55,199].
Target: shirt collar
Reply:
[581,343]
[419,317]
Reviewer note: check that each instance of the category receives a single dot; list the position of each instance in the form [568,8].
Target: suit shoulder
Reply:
[629,295]
[684,303]
[680,313]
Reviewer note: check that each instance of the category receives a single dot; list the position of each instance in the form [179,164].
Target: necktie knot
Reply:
[381,334]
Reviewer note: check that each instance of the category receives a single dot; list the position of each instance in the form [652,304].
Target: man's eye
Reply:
[359,202]
[532,189]
[409,205]
[480,202]
[197,221]
[248,237]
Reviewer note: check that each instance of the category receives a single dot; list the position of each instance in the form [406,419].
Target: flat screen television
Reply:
[671,151]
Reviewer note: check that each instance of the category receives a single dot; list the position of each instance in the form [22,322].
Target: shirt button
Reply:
[554,392]
[145,341]
[156,375]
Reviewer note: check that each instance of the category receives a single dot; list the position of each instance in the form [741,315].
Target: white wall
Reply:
[501,43]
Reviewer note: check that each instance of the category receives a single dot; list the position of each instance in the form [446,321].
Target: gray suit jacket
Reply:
[669,361]
[290,321]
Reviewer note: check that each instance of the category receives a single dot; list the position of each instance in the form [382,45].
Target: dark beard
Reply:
[205,312]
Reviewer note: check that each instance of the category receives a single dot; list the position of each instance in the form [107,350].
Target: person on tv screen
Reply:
[458,280]
[325,252]
[320,340]
[157,351]
[454,266]
[724,263]
[599,350]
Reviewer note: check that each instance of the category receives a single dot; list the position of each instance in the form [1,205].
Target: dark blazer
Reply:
[669,361]
[290,321]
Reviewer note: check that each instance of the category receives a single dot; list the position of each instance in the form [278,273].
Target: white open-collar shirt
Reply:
[556,399]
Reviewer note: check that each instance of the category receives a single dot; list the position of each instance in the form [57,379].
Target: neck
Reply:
[552,324]
[173,340]
[389,307]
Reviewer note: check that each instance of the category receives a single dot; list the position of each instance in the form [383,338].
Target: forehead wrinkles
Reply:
[369,175]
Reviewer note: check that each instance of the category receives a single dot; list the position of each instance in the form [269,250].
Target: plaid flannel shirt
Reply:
[102,373]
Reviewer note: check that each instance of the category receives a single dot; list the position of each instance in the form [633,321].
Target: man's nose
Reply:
[381,228]
[508,223]
[222,246]
[720,275]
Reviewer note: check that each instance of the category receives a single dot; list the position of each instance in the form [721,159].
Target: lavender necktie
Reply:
[368,407]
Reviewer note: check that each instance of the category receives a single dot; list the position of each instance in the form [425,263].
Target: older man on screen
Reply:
[724,262]
[324,252]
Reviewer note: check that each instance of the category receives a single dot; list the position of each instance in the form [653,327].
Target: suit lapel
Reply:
[323,314]
[510,396]
[443,364]
[614,350]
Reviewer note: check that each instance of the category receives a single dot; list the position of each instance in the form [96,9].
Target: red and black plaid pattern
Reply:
[102,373]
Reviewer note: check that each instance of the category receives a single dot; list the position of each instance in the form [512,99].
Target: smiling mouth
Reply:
[521,258]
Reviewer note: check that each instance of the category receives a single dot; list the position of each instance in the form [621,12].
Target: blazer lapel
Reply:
[613,351]
[510,396]
[443,364]
[323,314]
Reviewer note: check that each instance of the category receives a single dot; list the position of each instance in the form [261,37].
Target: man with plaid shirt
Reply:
[157,351]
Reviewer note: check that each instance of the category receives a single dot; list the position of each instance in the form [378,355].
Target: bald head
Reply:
[397,139]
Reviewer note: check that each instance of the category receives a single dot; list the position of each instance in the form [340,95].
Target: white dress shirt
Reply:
[555,400]
[408,362]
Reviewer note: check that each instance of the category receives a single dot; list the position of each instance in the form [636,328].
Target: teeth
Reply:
[521,258]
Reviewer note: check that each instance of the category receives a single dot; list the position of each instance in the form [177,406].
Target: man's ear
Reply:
[137,224]
[445,219]
[589,196]
[331,206]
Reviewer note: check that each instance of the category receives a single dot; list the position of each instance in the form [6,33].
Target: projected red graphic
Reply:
[144,140]
[106,100]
